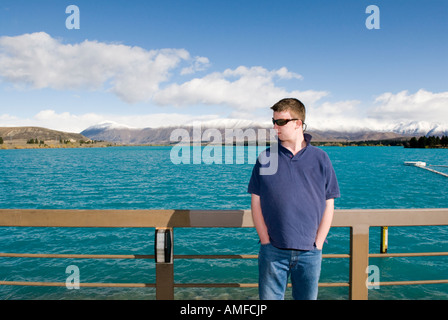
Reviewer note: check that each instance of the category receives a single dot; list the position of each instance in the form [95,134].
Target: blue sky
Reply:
[152,63]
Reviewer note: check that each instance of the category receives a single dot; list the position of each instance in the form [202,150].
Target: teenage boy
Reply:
[293,208]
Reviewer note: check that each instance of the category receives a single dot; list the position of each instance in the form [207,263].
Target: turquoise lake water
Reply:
[145,178]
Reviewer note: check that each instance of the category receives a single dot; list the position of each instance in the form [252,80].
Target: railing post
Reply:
[384,239]
[359,261]
[163,253]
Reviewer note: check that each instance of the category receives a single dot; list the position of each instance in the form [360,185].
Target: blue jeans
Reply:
[275,265]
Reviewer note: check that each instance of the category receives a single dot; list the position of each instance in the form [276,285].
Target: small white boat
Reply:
[415,163]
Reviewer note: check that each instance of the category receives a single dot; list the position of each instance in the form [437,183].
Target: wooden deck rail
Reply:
[359,222]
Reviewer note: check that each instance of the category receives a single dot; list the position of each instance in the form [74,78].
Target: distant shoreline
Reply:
[103,144]
[42,138]
[17,145]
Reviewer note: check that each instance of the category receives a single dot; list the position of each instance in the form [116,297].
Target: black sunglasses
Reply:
[281,122]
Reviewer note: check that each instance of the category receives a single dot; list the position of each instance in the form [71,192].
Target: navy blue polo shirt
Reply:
[293,199]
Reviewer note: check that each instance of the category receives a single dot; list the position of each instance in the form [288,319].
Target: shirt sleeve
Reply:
[254,182]
[331,186]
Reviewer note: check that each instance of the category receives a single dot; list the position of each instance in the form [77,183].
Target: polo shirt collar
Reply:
[287,152]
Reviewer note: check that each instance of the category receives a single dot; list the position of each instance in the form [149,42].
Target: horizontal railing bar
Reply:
[415,282]
[112,256]
[206,218]
[74,256]
[152,285]
[334,284]
[124,256]
[82,284]
[205,285]
[216,285]
[205,256]
[411,254]
[248,285]
[216,256]
[334,255]
[243,256]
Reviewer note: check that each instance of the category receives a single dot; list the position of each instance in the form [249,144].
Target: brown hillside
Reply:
[26,133]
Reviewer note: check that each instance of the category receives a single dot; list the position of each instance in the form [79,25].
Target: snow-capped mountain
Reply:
[107,125]
[111,131]
[230,124]
[114,132]
[420,128]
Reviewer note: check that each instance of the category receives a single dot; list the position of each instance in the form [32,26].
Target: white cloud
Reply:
[135,74]
[242,88]
[340,115]
[389,112]
[50,119]
[132,73]
[403,106]
[69,122]
[198,64]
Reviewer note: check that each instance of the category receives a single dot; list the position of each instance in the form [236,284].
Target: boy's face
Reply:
[289,130]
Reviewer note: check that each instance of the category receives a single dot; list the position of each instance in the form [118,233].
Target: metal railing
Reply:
[359,222]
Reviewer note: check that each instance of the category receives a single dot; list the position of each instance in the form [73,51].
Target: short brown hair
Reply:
[294,106]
